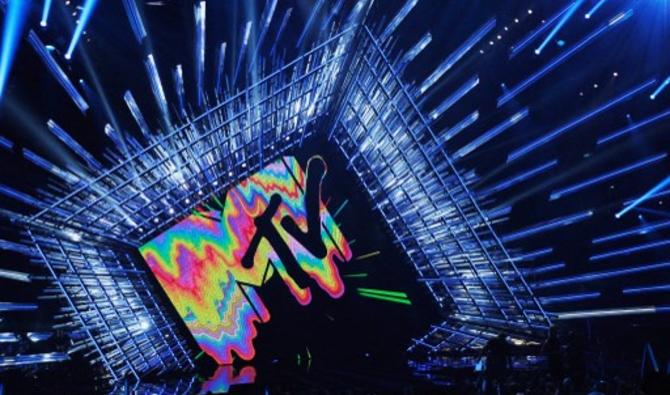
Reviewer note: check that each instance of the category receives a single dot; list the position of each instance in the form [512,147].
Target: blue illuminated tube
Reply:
[454,97]
[625,251]
[634,127]
[613,312]
[135,19]
[513,120]
[416,49]
[57,71]
[548,225]
[399,17]
[569,297]
[199,11]
[640,230]
[606,176]
[502,185]
[593,276]
[647,289]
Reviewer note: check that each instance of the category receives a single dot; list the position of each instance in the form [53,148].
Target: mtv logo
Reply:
[271,224]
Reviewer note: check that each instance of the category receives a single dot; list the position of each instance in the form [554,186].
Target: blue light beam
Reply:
[86,13]
[647,195]
[660,88]
[566,17]
[15,18]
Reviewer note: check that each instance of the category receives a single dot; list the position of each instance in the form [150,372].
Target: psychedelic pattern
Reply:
[211,263]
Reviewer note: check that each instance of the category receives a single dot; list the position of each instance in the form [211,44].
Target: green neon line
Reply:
[352,242]
[200,354]
[356,275]
[386,298]
[216,199]
[393,294]
[368,255]
[340,208]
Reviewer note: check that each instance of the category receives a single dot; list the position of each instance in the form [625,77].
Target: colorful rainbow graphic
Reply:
[199,261]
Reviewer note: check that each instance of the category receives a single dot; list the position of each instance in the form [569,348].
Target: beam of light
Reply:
[14,275]
[647,195]
[45,12]
[535,144]
[548,225]
[15,18]
[308,26]
[660,88]
[560,59]
[612,312]
[342,206]
[243,50]
[135,19]
[50,167]
[220,67]
[629,250]
[413,52]
[576,297]
[355,275]
[454,97]
[199,11]
[594,276]
[646,289]
[397,19]
[639,230]
[368,255]
[86,13]
[514,180]
[455,56]
[593,9]
[57,71]
[280,31]
[528,39]
[564,19]
[268,13]
[634,127]
[484,138]
[606,176]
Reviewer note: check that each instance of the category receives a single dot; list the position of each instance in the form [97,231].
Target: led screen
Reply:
[273,223]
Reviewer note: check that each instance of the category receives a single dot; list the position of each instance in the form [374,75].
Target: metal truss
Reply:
[426,203]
